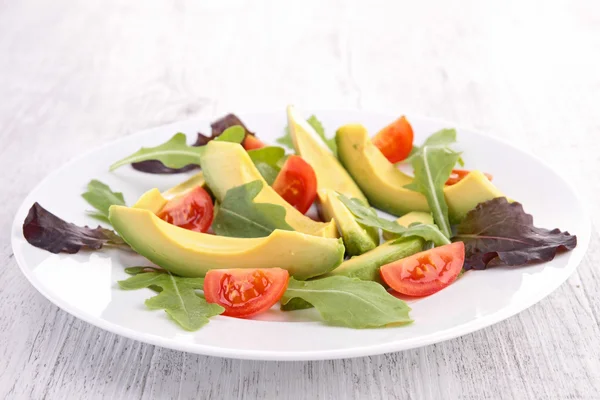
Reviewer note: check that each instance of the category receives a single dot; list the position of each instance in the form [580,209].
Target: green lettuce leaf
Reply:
[177,297]
[176,153]
[367,216]
[101,197]
[286,139]
[239,216]
[432,167]
[349,302]
[268,161]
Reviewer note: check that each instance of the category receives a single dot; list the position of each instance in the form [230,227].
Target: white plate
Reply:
[85,284]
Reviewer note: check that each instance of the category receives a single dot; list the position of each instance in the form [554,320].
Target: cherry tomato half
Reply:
[297,183]
[458,174]
[427,272]
[245,292]
[192,210]
[395,141]
[252,143]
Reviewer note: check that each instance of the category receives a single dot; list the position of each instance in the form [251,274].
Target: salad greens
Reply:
[46,231]
[268,161]
[500,230]
[101,197]
[177,297]
[433,166]
[368,216]
[176,153]
[495,232]
[239,216]
[286,139]
[350,302]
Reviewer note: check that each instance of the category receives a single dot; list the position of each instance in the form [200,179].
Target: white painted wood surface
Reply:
[75,75]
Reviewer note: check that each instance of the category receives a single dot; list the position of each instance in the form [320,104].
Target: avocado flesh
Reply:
[228,165]
[366,266]
[408,219]
[330,173]
[384,184]
[193,254]
[471,190]
[358,239]
[380,180]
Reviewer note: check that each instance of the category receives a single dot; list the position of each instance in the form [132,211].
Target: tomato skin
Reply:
[426,272]
[252,143]
[297,183]
[458,174]
[245,292]
[395,141]
[193,210]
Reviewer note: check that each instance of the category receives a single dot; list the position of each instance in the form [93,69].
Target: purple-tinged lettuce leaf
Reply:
[223,123]
[46,231]
[503,231]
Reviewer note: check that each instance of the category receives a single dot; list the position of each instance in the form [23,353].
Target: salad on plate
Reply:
[352,225]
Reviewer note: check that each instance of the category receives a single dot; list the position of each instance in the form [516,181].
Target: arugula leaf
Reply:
[367,216]
[286,139]
[175,153]
[349,302]
[442,138]
[267,161]
[240,216]
[497,229]
[139,270]
[432,168]
[46,231]
[178,298]
[101,197]
[294,304]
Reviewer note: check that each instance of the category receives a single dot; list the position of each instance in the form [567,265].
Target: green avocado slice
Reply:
[330,173]
[228,165]
[383,183]
[358,239]
[366,266]
[193,254]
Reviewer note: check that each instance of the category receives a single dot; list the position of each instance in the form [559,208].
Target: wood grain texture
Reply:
[75,75]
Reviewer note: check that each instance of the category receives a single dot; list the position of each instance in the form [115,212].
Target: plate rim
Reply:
[312,355]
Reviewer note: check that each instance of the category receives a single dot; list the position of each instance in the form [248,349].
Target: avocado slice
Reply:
[408,219]
[366,266]
[384,184]
[193,254]
[358,239]
[471,190]
[228,165]
[379,179]
[329,171]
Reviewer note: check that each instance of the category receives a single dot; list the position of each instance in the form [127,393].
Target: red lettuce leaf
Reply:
[45,230]
[502,231]
[218,127]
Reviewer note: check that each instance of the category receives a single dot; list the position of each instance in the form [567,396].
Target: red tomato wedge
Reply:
[458,174]
[252,143]
[193,210]
[297,183]
[245,292]
[395,141]
[427,272]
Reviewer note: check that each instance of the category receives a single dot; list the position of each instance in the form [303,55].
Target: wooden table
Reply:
[76,75]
